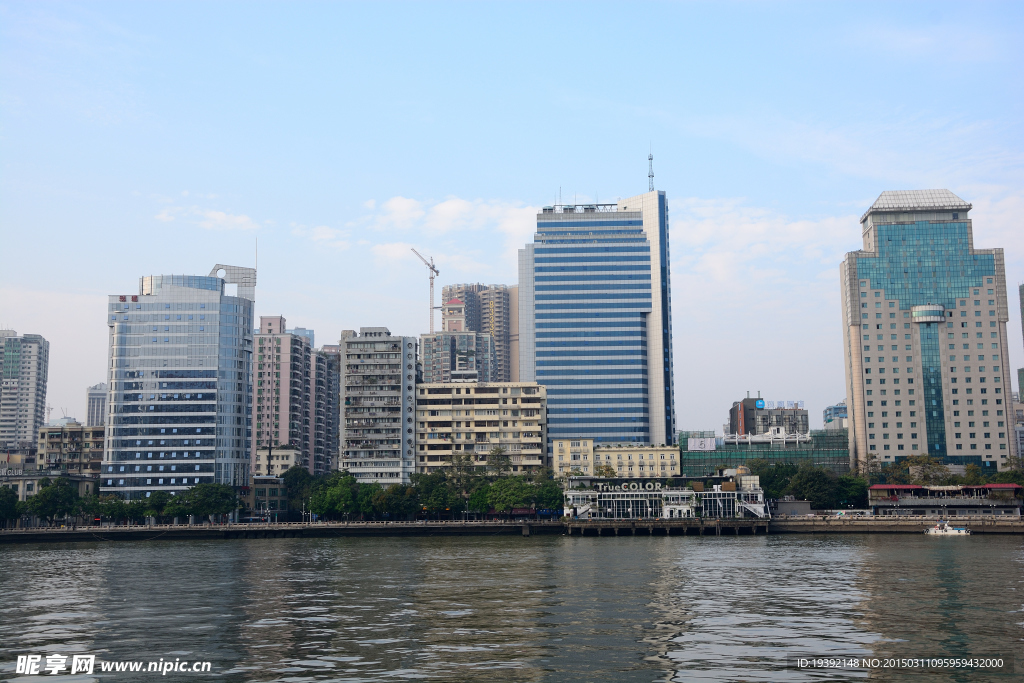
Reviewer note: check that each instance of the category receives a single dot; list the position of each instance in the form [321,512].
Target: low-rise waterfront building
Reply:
[703,453]
[475,418]
[276,461]
[581,457]
[70,447]
[946,501]
[728,494]
[267,499]
[26,484]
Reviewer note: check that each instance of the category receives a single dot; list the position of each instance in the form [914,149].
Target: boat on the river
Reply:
[944,529]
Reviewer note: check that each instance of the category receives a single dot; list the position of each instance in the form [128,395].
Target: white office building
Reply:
[96,411]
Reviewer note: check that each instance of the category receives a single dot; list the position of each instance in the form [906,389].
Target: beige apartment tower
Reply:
[924,330]
[26,362]
[475,418]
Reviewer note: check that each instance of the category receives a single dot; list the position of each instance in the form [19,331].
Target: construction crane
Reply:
[432,271]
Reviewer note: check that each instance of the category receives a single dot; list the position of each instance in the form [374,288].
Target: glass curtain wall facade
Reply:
[180,384]
[594,320]
[924,316]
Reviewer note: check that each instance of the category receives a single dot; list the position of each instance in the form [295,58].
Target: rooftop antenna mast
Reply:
[650,172]
[431,271]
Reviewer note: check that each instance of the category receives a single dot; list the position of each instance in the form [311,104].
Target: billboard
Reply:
[698,444]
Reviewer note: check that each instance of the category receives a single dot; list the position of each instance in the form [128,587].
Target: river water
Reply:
[510,609]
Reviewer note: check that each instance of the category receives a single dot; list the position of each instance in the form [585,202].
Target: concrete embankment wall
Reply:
[702,527]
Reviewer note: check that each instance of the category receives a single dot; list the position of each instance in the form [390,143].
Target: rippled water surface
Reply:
[543,608]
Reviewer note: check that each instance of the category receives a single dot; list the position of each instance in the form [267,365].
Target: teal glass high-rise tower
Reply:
[595,322]
[924,321]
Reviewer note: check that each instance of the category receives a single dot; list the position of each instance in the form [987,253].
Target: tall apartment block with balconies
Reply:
[493,310]
[283,407]
[379,373]
[25,367]
[326,391]
[475,418]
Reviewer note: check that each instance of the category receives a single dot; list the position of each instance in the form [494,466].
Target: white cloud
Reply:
[755,307]
[210,219]
[167,215]
[323,236]
[220,220]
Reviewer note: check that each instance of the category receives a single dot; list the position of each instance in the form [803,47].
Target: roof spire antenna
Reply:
[650,172]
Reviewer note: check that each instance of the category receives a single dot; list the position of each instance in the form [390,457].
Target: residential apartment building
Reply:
[924,320]
[69,447]
[476,418]
[456,354]
[96,405]
[595,322]
[26,363]
[284,385]
[493,310]
[1018,426]
[180,383]
[835,417]
[276,460]
[757,416]
[326,395]
[583,456]
[379,373]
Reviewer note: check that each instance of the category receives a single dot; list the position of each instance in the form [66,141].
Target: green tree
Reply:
[396,501]
[112,507]
[8,505]
[548,495]
[972,475]
[510,492]
[852,492]
[604,471]
[480,499]
[55,499]
[135,511]
[334,497]
[816,485]
[774,477]
[462,472]
[498,461]
[924,469]
[204,500]
[299,484]
[158,503]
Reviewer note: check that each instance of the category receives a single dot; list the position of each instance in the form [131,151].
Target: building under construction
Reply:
[820,448]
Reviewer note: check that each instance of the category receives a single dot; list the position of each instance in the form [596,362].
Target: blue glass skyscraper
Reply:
[924,320]
[595,321]
[179,376]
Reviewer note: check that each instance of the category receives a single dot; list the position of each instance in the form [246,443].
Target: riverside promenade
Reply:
[603,527]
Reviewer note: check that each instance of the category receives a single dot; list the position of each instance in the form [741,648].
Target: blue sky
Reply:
[144,138]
